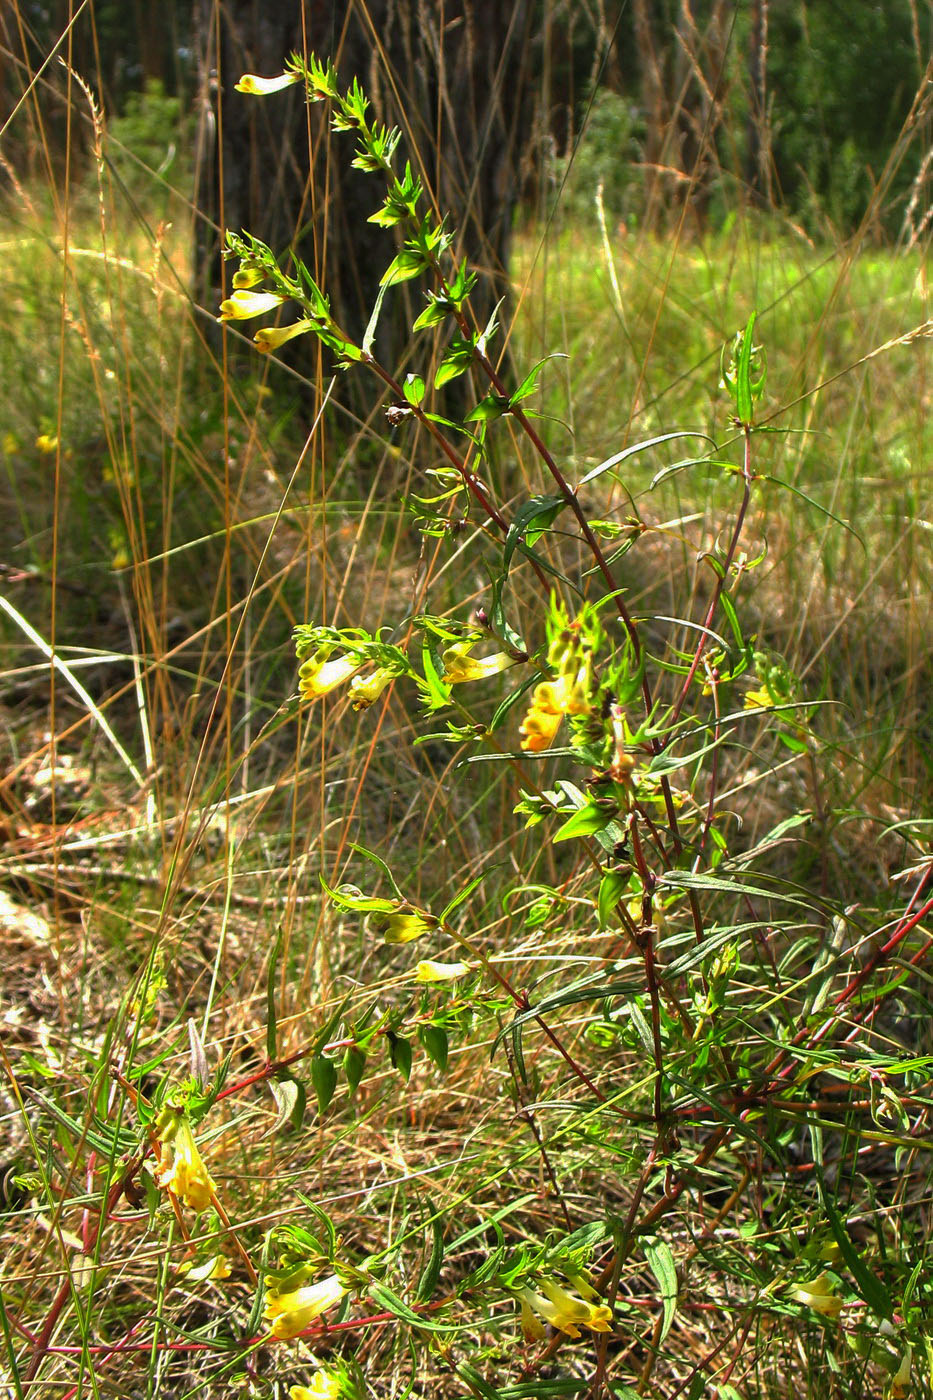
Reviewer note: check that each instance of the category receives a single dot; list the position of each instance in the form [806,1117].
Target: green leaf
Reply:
[612,888]
[869,1288]
[324,1079]
[400,1054]
[590,819]
[392,1303]
[661,1262]
[290,1101]
[529,523]
[409,263]
[489,408]
[476,1383]
[271,1037]
[380,865]
[619,457]
[436,311]
[456,361]
[350,898]
[413,389]
[836,519]
[462,896]
[743,379]
[434,1039]
[432,1269]
[354,1064]
[529,384]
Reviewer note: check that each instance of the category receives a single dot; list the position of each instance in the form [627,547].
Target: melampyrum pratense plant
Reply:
[728,1018]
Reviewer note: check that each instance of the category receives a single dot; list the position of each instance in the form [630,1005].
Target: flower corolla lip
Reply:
[428,971]
[566,1311]
[317,678]
[255,86]
[292,1312]
[819,1295]
[242,304]
[460,666]
[181,1167]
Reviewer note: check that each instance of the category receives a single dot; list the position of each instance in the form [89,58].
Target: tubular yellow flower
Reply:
[533,1329]
[460,666]
[181,1167]
[819,1295]
[542,721]
[403,926]
[243,304]
[566,1311]
[317,678]
[255,86]
[291,1313]
[428,971]
[900,1381]
[365,690]
[271,337]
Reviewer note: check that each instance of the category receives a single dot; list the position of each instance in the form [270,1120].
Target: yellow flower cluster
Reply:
[564,1310]
[181,1167]
[322,673]
[569,694]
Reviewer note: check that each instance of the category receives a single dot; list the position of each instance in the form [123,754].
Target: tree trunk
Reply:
[450,76]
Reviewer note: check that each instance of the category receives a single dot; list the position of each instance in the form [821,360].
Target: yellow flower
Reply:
[402,926]
[819,1295]
[215,1269]
[292,1312]
[543,719]
[261,87]
[566,1311]
[10,444]
[242,304]
[325,1385]
[365,690]
[759,699]
[317,677]
[533,1329]
[440,971]
[901,1378]
[271,337]
[181,1167]
[460,666]
[47,443]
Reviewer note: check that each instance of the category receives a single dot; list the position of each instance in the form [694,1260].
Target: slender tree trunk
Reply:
[451,76]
